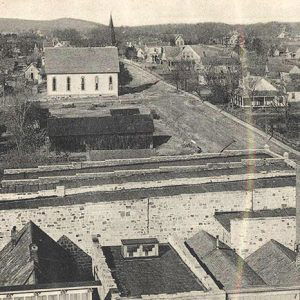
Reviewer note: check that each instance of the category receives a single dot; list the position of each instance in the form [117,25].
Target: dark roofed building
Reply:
[228,269]
[138,274]
[276,264]
[101,133]
[34,266]
[32,257]
[82,71]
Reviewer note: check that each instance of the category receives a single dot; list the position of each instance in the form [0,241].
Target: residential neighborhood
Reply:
[146,153]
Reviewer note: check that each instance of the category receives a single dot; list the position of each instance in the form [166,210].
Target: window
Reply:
[82,83]
[293,95]
[68,84]
[53,84]
[31,75]
[110,83]
[96,83]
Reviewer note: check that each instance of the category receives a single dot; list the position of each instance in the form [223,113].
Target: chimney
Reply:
[13,236]
[217,242]
[33,248]
[298,215]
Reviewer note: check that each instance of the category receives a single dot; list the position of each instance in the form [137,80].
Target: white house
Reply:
[257,92]
[32,73]
[81,72]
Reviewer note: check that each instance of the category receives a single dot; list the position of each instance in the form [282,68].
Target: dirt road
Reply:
[191,119]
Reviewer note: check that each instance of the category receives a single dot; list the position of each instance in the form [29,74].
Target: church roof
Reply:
[68,60]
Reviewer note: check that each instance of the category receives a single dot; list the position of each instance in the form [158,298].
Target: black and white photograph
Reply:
[149,150]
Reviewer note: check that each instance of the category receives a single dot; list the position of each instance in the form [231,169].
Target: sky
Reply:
[145,12]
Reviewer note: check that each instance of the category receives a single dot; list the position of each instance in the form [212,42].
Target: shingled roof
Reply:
[68,60]
[51,264]
[117,124]
[276,264]
[165,274]
[225,265]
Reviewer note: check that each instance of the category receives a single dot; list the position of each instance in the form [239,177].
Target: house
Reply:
[145,268]
[82,72]
[195,53]
[170,54]
[33,74]
[140,53]
[177,40]
[278,68]
[34,266]
[293,91]
[257,92]
[110,132]
[152,52]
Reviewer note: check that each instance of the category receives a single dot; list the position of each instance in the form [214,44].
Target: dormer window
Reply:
[139,248]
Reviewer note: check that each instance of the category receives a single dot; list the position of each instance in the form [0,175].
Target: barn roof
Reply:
[117,124]
[68,60]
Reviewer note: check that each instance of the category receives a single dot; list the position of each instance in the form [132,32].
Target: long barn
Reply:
[101,133]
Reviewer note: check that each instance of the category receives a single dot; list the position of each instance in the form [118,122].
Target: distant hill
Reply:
[19,25]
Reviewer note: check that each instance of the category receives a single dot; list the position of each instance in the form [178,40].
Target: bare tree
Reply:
[23,123]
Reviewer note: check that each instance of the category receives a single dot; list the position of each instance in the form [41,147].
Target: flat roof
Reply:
[136,194]
[225,217]
[139,241]
[165,274]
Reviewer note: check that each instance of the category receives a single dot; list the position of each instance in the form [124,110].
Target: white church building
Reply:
[82,72]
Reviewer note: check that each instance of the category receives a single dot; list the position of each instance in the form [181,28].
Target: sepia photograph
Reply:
[149,149]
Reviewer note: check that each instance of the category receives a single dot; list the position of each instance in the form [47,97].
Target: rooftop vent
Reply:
[13,235]
[137,248]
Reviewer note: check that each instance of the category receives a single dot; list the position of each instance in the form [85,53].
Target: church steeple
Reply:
[112,31]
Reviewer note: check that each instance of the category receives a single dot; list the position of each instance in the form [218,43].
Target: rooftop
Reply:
[225,217]
[142,193]
[68,60]
[225,265]
[49,263]
[165,274]
[139,241]
[276,264]
[115,124]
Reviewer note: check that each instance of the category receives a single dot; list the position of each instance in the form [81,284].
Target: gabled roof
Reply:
[295,70]
[171,52]
[225,265]
[220,61]
[117,124]
[276,264]
[68,60]
[258,86]
[278,65]
[206,51]
[18,268]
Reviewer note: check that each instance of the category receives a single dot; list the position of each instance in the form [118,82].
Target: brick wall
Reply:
[159,217]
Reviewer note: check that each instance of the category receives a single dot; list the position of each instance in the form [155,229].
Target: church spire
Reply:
[112,31]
